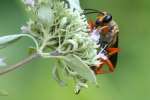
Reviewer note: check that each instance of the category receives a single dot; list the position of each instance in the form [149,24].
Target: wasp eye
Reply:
[98,22]
[107,19]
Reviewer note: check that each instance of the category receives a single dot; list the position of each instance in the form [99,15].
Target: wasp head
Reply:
[103,18]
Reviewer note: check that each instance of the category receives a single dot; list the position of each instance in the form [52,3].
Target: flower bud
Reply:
[45,14]
[29,2]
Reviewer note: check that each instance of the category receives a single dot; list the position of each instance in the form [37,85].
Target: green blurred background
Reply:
[130,81]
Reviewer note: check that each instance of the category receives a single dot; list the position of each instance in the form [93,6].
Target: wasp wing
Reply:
[113,58]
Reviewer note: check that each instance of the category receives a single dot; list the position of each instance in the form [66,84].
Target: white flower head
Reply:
[74,4]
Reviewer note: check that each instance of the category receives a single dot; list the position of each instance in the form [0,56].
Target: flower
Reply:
[29,2]
[25,29]
[74,4]
[56,27]
[45,14]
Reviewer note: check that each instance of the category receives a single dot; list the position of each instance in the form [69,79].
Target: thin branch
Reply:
[19,64]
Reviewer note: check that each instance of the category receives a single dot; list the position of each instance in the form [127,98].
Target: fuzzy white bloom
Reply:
[45,14]
[61,26]
[60,30]
[74,4]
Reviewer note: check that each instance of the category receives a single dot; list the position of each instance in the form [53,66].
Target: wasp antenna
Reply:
[92,10]
[90,13]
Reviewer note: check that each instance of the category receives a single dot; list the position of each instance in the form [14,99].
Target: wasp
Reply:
[104,31]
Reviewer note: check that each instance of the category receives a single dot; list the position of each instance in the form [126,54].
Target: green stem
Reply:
[19,64]
[48,55]
[34,40]
[53,54]
[43,45]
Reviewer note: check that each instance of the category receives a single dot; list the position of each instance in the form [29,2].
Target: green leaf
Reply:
[4,40]
[9,38]
[77,65]
[68,71]
[56,74]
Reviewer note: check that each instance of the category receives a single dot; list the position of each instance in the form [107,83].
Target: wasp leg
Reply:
[108,62]
[91,25]
[100,70]
[113,55]
[112,51]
